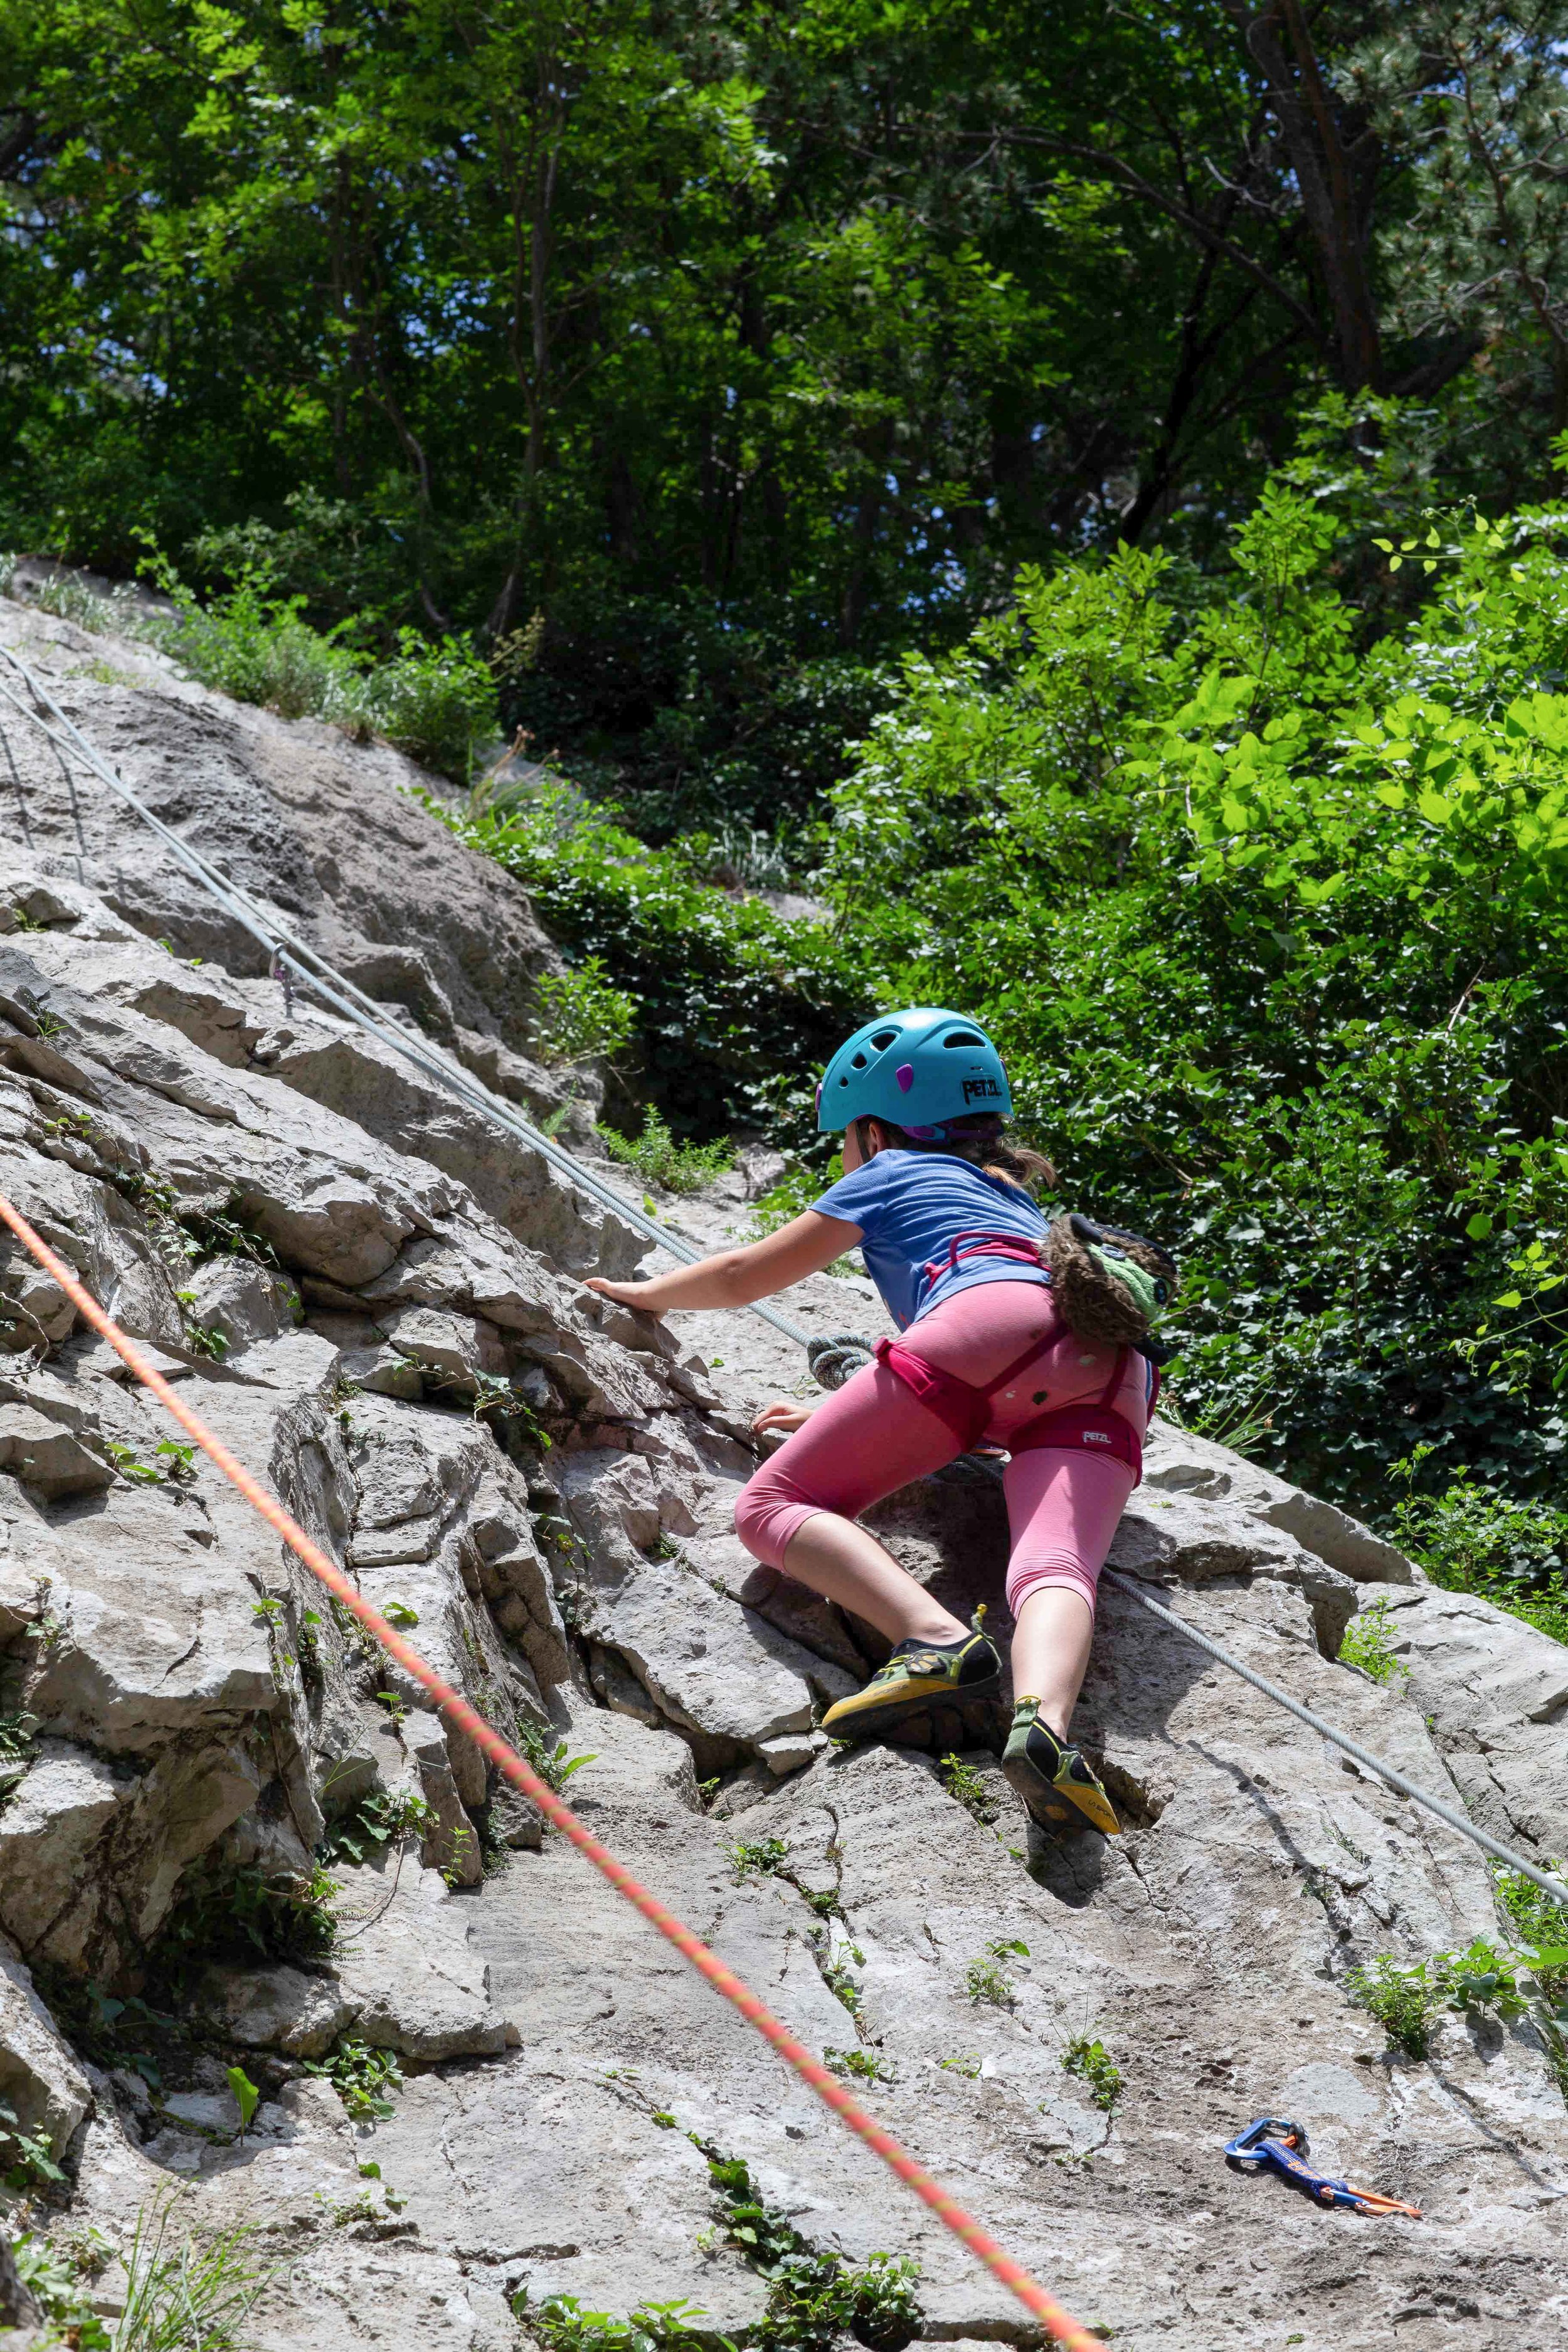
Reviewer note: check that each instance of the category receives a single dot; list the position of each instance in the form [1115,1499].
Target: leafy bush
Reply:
[1369,1644]
[658,1158]
[1471,1539]
[739,1008]
[1539,1921]
[579,1012]
[1479,1981]
[1266,914]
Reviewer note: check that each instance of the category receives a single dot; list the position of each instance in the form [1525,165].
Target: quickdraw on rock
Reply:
[1273,2144]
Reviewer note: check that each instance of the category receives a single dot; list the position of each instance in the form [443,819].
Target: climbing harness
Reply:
[1095,1427]
[465,1718]
[1272,2144]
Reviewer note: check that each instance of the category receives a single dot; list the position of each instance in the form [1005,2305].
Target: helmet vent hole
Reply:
[962,1038]
[858,1062]
[884,1038]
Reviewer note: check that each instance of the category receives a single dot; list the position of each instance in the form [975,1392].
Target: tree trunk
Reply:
[1335,161]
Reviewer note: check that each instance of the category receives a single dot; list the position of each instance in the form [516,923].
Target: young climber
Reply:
[952,1237]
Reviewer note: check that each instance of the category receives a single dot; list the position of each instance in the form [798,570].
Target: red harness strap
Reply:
[1096,1427]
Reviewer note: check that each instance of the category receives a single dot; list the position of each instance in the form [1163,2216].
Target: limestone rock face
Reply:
[369,1294]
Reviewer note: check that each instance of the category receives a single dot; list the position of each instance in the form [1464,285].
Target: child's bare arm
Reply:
[735,1278]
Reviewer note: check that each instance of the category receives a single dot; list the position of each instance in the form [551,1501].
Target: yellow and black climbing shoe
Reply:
[918,1675]
[1051,1777]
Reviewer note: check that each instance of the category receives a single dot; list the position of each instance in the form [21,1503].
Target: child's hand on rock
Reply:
[783,1416]
[625,1293]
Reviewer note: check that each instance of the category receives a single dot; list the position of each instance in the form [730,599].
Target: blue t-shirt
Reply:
[911,1206]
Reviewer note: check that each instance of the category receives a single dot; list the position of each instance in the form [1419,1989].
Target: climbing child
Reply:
[981,1292]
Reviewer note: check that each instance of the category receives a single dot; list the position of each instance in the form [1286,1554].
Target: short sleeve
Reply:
[858,1197]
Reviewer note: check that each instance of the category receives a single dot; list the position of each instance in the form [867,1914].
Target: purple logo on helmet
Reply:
[905,1074]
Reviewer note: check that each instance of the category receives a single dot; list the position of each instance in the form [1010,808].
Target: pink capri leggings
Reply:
[873,1435]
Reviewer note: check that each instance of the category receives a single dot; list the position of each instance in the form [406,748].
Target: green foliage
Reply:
[186,2295]
[435,700]
[1093,2065]
[859,2065]
[739,1008]
[362,2077]
[381,1818]
[813,2299]
[1540,1922]
[1267,917]
[1470,1538]
[27,2158]
[17,1737]
[237,1911]
[658,1158]
[985,1980]
[1403,2000]
[764,1857]
[969,1788]
[61,2288]
[1479,1981]
[549,1758]
[560,2325]
[1369,1644]
[580,1012]
[247,2098]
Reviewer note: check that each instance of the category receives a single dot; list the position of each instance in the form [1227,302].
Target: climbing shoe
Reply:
[919,1674]
[1051,1777]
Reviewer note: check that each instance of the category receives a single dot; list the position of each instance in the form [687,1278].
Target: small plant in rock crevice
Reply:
[560,2325]
[1368,1643]
[986,1981]
[815,2299]
[16,1750]
[764,1858]
[1403,2000]
[1479,1981]
[548,1757]
[859,2065]
[362,2078]
[1093,2065]
[27,2158]
[969,1788]
[230,1911]
[381,1818]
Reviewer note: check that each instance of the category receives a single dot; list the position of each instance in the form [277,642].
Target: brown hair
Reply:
[976,1136]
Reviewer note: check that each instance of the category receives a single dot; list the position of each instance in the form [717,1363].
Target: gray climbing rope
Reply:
[1341,1740]
[837,1357]
[834,1358]
[293,961]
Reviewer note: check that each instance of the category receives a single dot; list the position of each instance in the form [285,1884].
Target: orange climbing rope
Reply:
[1063,2328]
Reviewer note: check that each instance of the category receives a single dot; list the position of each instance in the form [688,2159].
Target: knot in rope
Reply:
[836,1358]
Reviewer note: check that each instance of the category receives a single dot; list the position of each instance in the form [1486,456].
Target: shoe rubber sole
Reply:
[1048,1803]
[869,1722]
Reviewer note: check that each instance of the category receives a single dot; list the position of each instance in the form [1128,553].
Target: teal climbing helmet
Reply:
[918,1069]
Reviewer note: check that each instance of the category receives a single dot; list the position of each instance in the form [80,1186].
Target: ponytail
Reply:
[977,1138]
